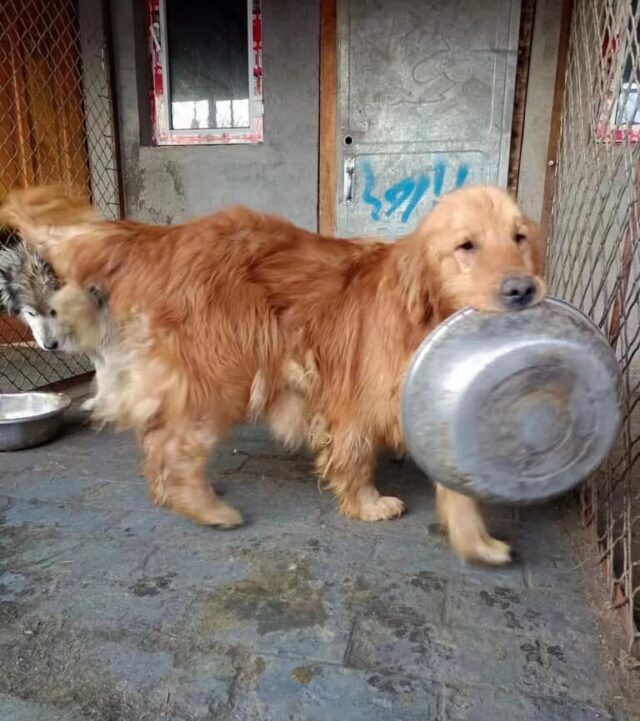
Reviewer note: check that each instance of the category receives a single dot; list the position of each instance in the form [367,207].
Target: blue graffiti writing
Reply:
[397,194]
[409,191]
[439,172]
[367,194]
[406,189]
[461,175]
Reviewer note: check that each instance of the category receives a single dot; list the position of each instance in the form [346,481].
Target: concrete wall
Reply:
[168,184]
[542,74]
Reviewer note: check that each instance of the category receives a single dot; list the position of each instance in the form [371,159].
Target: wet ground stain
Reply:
[276,597]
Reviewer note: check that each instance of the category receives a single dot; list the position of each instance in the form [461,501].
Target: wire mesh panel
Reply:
[594,257]
[56,126]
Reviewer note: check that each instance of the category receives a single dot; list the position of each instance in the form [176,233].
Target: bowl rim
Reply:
[409,427]
[66,402]
[443,328]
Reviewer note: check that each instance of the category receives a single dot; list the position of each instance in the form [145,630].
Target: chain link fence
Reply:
[593,259]
[56,126]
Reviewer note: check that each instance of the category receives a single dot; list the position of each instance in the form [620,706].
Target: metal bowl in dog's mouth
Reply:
[30,419]
[513,407]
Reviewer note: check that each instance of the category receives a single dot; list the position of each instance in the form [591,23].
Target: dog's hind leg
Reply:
[175,460]
[347,464]
[461,518]
[154,466]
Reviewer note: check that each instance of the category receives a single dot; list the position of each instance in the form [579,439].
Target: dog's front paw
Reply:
[380,509]
[203,507]
[221,514]
[481,548]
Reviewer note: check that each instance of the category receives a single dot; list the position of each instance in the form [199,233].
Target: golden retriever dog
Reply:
[240,315]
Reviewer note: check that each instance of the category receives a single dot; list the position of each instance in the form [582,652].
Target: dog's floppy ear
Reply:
[414,280]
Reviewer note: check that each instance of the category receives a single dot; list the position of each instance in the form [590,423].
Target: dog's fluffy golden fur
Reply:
[85,325]
[240,315]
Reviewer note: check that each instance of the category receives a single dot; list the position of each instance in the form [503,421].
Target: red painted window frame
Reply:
[162,134]
[607,131]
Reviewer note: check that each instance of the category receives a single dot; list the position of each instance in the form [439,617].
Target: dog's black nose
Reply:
[51,345]
[517,291]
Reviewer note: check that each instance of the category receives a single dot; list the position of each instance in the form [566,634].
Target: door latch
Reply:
[349,170]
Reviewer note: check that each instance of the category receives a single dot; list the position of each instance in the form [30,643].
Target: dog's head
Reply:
[27,284]
[483,250]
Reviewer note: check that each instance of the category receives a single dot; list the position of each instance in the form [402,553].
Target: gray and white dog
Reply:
[27,283]
[65,318]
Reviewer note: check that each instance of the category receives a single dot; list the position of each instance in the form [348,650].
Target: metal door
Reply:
[425,101]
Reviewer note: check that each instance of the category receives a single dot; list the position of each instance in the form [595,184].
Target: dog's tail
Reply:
[48,218]
[33,211]
[67,231]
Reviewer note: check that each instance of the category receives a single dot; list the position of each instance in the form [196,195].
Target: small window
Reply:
[618,115]
[207,71]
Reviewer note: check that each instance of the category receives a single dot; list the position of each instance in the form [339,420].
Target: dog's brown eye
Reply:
[52,313]
[467,246]
[520,238]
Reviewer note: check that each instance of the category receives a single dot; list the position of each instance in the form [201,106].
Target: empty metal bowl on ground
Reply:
[30,419]
[513,407]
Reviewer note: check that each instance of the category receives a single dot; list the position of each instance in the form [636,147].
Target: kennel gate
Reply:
[56,126]
[593,260]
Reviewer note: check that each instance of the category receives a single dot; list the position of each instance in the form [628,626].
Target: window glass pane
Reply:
[208,63]
[628,110]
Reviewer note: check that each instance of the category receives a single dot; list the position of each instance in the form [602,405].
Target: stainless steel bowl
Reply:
[30,419]
[513,407]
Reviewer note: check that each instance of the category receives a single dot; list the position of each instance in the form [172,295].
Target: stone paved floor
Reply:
[113,610]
